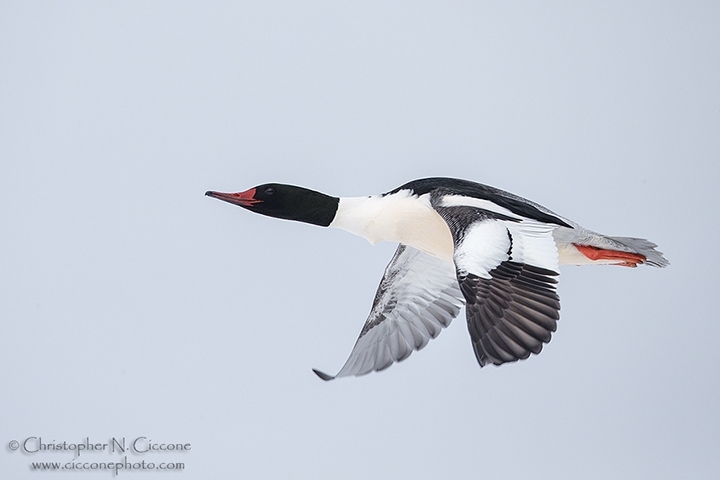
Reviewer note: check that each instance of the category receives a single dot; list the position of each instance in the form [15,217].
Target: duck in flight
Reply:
[461,243]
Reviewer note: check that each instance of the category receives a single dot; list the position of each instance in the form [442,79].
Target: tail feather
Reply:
[645,248]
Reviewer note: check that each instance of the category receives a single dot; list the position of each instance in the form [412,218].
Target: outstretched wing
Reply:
[417,297]
[511,314]
[506,267]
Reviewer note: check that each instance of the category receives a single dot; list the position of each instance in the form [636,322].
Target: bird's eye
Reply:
[269,191]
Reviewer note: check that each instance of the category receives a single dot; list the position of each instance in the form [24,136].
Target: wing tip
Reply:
[323,375]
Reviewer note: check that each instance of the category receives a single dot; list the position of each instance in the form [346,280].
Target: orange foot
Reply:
[627,259]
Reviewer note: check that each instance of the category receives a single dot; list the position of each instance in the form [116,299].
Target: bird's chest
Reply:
[410,221]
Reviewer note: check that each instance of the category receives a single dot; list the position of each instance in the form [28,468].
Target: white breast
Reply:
[400,217]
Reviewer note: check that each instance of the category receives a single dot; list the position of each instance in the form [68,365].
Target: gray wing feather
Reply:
[417,297]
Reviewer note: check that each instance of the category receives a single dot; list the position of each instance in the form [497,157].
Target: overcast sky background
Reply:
[131,305]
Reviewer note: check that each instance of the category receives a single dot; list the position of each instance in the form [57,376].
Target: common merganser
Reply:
[461,242]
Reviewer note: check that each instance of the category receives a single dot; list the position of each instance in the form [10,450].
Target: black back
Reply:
[515,204]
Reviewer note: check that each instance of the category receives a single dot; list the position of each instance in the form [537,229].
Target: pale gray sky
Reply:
[134,306]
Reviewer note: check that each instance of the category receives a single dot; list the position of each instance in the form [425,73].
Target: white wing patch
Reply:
[484,246]
[533,244]
[488,243]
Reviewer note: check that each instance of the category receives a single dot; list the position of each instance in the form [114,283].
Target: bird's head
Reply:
[284,201]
